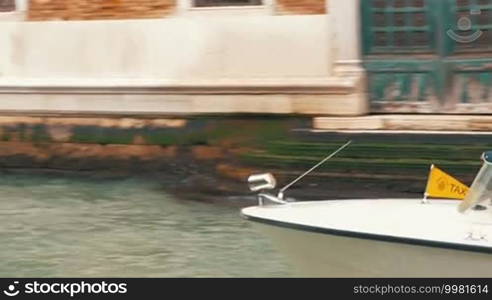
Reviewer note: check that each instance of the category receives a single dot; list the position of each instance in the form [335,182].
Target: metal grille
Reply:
[208,3]
[397,26]
[7,5]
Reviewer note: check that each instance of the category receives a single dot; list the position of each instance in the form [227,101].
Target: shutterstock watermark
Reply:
[443,289]
[70,289]
[12,290]
[465,24]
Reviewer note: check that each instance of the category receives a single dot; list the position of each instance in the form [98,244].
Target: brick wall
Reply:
[99,9]
[301,7]
[41,10]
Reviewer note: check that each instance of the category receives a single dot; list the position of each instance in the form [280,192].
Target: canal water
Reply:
[59,226]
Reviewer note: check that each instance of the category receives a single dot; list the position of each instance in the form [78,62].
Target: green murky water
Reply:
[74,227]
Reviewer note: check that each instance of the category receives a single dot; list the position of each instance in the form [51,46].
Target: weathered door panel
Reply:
[403,85]
[422,58]
[470,88]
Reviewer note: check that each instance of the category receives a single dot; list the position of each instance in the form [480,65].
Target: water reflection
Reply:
[73,227]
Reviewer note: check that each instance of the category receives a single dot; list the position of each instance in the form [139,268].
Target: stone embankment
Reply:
[216,154]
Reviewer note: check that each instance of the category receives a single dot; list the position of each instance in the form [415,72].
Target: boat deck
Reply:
[437,223]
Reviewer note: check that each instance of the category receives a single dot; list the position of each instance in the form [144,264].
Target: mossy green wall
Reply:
[264,143]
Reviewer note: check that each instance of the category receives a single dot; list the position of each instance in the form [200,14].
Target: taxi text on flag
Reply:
[442,185]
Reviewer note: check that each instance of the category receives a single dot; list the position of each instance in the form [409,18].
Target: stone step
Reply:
[460,123]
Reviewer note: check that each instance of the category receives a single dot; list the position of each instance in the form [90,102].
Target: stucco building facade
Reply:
[182,56]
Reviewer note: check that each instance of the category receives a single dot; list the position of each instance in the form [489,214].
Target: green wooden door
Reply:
[428,56]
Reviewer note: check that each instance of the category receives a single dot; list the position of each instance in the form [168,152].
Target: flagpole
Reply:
[424,200]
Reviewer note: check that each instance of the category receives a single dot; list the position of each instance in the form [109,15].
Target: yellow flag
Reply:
[443,185]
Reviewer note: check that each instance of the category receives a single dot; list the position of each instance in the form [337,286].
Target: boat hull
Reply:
[316,254]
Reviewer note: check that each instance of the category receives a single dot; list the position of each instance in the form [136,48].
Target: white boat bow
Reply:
[384,237]
[380,238]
